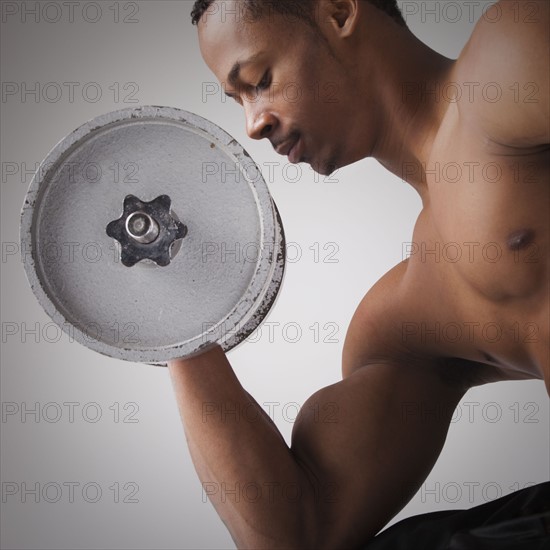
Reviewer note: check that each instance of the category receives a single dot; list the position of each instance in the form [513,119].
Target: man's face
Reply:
[294,91]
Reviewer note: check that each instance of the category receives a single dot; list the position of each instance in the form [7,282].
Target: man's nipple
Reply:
[519,239]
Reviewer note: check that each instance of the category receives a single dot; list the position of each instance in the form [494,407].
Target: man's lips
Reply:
[295,154]
[290,148]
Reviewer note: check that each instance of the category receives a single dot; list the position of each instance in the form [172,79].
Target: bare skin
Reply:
[436,324]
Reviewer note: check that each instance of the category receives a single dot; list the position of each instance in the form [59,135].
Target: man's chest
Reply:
[489,212]
[480,250]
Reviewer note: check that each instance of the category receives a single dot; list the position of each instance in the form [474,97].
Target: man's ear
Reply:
[343,16]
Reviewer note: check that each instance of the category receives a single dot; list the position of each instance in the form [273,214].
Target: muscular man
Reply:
[355,475]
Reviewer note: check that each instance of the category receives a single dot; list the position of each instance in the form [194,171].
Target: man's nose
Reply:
[259,122]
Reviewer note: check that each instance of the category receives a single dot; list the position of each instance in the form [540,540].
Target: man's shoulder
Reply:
[378,333]
[509,36]
[502,74]
[374,331]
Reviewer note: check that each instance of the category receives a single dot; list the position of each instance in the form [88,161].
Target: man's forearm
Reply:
[258,488]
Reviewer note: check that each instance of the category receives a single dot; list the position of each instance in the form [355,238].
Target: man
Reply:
[414,111]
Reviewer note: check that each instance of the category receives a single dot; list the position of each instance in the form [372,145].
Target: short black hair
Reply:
[300,9]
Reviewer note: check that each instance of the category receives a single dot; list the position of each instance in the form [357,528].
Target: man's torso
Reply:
[474,292]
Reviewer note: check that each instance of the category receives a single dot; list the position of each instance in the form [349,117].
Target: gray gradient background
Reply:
[365,210]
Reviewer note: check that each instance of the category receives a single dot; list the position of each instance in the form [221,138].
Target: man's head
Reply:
[295,67]
[302,9]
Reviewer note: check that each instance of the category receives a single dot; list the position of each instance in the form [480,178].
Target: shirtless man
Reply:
[355,475]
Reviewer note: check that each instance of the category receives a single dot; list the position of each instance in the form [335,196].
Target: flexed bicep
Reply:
[368,442]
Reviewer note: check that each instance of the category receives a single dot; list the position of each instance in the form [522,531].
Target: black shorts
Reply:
[519,521]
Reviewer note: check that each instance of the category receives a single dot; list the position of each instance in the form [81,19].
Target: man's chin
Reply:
[324,168]
[320,166]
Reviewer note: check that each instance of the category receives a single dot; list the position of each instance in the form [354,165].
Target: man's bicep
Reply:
[367,443]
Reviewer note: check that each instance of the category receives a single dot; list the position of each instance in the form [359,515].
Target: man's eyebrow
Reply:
[233,74]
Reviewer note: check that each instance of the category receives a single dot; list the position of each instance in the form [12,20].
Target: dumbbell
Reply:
[150,235]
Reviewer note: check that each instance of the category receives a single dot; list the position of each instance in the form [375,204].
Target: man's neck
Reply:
[409,78]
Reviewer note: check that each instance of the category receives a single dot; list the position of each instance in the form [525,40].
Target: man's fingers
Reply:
[205,355]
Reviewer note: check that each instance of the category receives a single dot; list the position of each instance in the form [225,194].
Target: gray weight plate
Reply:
[149,234]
